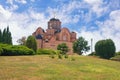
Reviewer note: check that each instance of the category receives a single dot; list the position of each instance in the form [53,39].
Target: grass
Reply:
[42,67]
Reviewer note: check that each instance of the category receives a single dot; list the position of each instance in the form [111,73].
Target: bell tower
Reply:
[55,24]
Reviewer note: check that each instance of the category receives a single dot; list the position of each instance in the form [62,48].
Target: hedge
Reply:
[9,50]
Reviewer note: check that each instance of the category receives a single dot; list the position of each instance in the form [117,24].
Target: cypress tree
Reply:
[5,37]
[8,36]
[0,36]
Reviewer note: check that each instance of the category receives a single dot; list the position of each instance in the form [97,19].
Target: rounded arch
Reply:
[65,34]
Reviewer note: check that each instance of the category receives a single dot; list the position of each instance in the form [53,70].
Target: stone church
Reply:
[54,35]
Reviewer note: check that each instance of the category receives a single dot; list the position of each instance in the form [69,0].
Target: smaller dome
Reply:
[54,19]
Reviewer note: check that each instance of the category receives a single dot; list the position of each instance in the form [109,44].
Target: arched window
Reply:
[64,37]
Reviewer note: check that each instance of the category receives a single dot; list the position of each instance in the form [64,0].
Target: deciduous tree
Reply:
[63,47]
[31,43]
[80,46]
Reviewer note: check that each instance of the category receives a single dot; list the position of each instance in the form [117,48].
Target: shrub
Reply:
[105,48]
[66,56]
[9,50]
[52,56]
[45,51]
[59,56]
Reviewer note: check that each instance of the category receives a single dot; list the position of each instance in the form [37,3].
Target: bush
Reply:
[105,48]
[9,50]
[52,56]
[66,56]
[46,51]
[59,56]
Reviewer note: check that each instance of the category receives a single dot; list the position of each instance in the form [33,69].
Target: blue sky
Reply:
[97,19]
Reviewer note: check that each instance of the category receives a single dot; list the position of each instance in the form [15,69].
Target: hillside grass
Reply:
[42,67]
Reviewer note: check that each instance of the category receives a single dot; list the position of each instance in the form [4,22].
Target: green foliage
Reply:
[60,56]
[118,53]
[5,36]
[0,36]
[31,43]
[80,46]
[46,51]
[63,47]
[9,50]
[52,55]
[105,48]
[1,50]
[66,56]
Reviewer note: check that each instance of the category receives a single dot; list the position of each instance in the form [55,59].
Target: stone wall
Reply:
[54,44]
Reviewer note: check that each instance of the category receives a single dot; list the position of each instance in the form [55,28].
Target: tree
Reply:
[105,48]
[1,50]
[80,46]
[0,36]
[6,36]
[22,41]
[63,47]
[31,43]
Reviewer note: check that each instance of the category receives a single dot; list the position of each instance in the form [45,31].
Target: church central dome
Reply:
[54,19]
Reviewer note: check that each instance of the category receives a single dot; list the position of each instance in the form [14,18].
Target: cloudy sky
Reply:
[96,19]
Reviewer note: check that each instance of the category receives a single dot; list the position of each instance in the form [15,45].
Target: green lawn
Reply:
[42,67]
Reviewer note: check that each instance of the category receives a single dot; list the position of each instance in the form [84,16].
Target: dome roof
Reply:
[54,19]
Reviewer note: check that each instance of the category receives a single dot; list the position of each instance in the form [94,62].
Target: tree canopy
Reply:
[31,43]
[5,36]
[80,46]
[22,41]
[63,47]
[105,48]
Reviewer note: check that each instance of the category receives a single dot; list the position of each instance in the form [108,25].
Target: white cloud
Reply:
[5,14]
[96,7]
[9,1]
[93,1]
[107,29]
[21,1]
[21,24]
